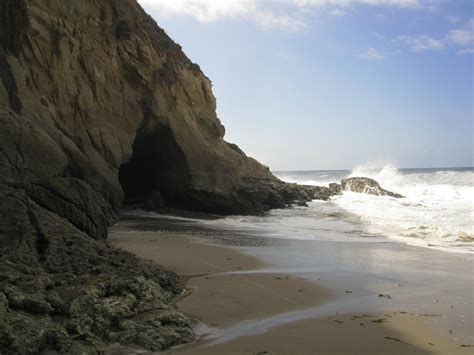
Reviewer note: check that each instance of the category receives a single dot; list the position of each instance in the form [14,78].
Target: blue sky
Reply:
[332,84]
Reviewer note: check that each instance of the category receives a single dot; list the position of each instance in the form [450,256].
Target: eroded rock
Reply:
[367,186]
[63,290]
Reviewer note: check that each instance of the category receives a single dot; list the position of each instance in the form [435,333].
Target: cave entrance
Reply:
[157,165]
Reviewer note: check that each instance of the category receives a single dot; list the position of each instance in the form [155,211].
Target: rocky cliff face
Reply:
[97,103]
[97,91]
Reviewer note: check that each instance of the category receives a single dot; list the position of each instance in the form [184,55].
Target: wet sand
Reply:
[339,334]
[244,303]
[215,295]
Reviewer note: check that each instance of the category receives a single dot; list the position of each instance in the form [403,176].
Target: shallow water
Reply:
[435,285]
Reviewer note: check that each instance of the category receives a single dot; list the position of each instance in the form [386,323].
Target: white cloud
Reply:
[206,11]
[466,51]
[294,14]
[349,3]
[377,35]
[284,13]
[397,3]
[421,43]
[461,37]
[371,54]
[337,12]
[454,19]
[269,20]
[202,10]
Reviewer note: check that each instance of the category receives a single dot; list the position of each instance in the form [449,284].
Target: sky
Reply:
[334,84]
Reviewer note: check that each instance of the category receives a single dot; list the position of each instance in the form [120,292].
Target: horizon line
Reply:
[437,167]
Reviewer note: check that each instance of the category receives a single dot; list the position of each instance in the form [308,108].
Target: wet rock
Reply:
[155,332]
[57,303]
[367,186]
[63,290]
[335,188]
[3,301]
[34,303]
[155,202]
[322,193]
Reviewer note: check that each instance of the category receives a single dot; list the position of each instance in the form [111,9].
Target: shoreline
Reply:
[209,269]
[242,301]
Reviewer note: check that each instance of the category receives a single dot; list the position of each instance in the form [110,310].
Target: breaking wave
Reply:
[437,211]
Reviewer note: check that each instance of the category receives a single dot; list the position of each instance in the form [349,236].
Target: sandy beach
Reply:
[246,299]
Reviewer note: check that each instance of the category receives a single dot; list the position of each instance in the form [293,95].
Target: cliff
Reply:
[97,91]
[98,104]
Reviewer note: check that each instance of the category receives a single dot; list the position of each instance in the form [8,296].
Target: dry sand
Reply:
[219,299]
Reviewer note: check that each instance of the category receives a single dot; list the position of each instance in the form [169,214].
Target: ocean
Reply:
[437,211]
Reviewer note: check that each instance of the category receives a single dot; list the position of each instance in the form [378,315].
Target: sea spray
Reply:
[437,211]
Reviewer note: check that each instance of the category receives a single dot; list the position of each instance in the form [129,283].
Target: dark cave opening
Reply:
[157,167]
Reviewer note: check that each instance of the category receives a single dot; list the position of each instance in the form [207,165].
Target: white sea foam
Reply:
[437,212]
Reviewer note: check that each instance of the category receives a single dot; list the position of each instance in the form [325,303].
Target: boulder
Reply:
[367,186]
[335,187]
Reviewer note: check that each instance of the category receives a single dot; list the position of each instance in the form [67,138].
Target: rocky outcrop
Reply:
[62,289]
[98,104]
[367,186]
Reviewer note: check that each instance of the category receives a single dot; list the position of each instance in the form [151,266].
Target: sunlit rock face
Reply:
[90,85]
